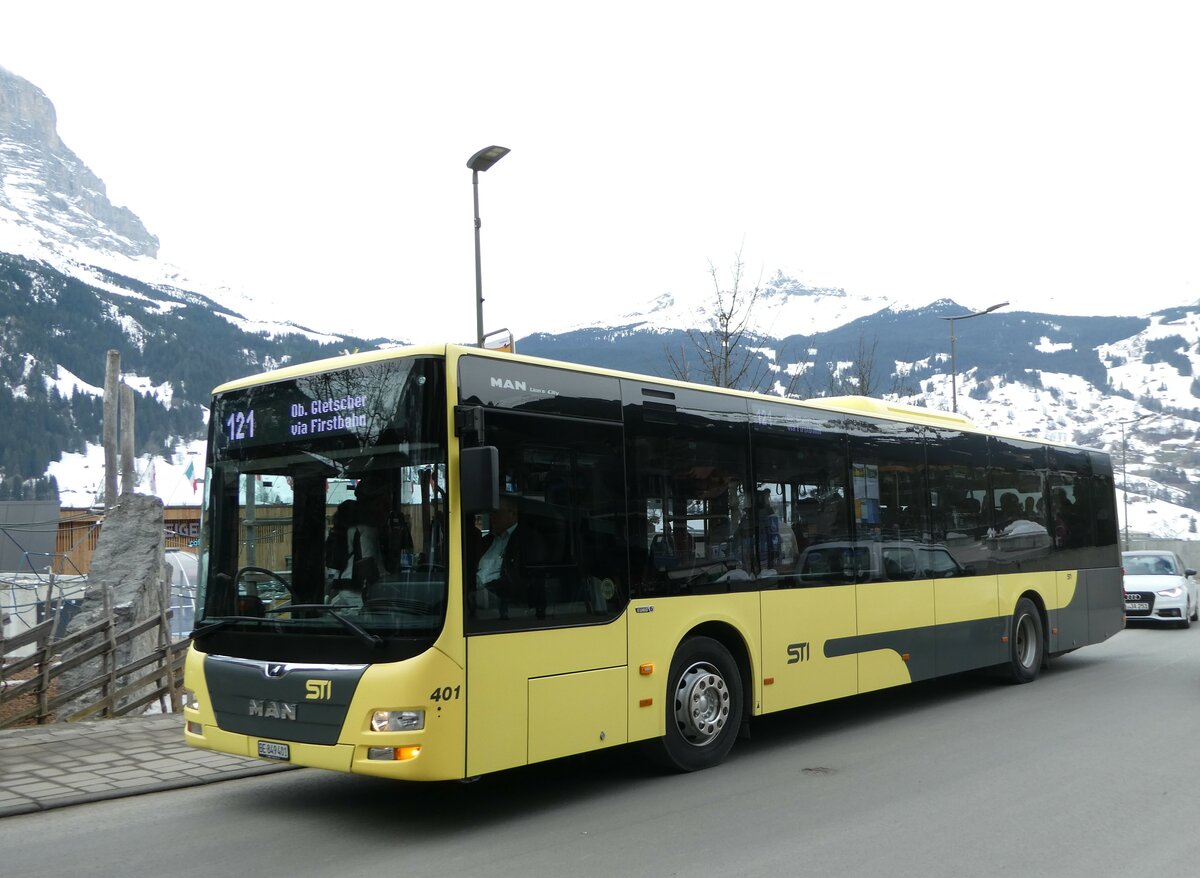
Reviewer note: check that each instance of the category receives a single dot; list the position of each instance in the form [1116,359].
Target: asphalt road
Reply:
[1090,771]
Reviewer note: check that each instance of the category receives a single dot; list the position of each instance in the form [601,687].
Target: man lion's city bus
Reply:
[667,561]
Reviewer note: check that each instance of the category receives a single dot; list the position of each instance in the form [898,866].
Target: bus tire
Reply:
[1026,643]
[704,705]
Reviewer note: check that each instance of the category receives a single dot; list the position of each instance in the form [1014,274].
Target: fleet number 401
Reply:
[446,693]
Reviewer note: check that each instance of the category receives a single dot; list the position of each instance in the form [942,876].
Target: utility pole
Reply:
[1125,473]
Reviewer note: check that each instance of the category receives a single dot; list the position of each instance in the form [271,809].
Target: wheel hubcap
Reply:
[1026,642]
[701,704]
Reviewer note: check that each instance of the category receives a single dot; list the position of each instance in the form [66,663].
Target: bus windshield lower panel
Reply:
[325,531]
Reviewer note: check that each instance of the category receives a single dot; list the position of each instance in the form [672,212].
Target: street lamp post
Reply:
[953,357]
[1125,473]
[481,161]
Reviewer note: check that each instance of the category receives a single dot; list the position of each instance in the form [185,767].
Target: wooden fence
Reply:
[29,686]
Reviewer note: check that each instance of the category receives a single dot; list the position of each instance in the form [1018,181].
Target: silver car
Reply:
[1159,588]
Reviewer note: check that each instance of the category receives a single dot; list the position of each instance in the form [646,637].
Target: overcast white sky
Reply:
[1044,153]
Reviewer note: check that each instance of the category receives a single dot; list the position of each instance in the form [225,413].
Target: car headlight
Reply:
[397,720]
[1174,592]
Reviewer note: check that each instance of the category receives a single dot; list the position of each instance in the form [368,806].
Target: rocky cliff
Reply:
[45,187]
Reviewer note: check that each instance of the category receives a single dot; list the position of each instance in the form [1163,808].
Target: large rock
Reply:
[128,559]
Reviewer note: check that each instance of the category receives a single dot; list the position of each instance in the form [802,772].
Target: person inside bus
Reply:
[1010,509]
[339,554]
[498,573]
[364,522]
[1066,527]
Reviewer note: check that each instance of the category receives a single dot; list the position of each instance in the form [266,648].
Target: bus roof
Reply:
[329,364]
[860,405]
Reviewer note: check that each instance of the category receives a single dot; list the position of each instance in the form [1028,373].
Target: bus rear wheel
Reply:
[1026,643]
[704,705]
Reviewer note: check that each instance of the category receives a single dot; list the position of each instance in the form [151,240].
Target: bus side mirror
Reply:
[479,479]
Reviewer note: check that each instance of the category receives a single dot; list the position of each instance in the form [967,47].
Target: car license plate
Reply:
[271,750]
[1137,605]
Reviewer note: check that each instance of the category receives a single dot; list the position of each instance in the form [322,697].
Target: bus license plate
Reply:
[1137,605]
[271,750]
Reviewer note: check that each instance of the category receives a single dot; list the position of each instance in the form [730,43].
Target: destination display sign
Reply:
[349,407]
[317,416]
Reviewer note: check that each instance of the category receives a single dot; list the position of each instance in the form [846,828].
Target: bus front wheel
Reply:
[704,705]
[1026,644]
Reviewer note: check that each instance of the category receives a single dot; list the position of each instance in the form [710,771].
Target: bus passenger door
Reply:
[545,580]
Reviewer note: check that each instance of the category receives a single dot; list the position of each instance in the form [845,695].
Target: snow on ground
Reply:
[67,382]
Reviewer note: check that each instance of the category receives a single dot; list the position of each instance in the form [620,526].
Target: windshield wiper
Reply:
[360,632]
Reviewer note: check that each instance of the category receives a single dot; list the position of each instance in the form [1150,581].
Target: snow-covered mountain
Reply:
[80,276]
[55,211]
[782,308]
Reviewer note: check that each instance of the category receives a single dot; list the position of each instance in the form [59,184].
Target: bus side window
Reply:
[564,479]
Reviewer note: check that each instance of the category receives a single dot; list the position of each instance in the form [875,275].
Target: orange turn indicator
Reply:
[645,702]
[647,669]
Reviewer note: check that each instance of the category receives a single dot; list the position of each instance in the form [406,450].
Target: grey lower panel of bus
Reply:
[935,649]
[1095,613]
[291,702]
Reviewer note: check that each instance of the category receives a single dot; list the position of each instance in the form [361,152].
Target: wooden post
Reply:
[112,372]
[110,655]
[43,715]
[164,638]
[128,468]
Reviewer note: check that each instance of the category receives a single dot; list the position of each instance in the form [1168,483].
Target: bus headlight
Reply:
[190,700]
[397,720]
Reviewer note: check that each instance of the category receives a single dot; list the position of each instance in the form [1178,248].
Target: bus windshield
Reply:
[325,510]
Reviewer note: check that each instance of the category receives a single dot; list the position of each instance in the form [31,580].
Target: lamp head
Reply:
[487,157]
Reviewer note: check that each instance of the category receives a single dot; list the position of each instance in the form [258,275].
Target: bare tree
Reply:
[861,375]
[721,351]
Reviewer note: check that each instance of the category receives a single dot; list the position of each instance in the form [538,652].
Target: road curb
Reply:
[34,806]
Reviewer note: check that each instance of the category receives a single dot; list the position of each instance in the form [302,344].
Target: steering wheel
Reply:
[237,578]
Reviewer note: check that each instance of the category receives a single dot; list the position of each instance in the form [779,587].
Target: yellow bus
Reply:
[433,563]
